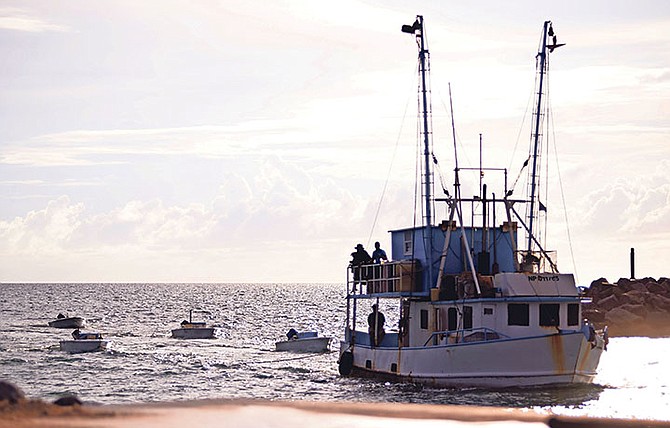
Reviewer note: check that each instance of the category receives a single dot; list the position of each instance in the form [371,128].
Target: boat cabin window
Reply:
[573,314]
[549,314]
[488,311]
[518,314]
[452,319]
[407,244]
[424,319]
[467,317]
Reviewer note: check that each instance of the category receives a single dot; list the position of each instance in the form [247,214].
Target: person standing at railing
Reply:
[378,254]
[358,258]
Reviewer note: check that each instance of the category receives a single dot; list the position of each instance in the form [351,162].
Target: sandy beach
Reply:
[270,414]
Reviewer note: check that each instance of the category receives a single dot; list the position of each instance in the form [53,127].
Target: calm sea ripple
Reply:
[144,364]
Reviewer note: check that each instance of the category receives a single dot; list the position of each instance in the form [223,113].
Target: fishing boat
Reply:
[84,342]
[475,306]
[304,341]
[194,330]
[63,321]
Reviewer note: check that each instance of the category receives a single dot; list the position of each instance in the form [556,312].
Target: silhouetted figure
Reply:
[376,322]
[378,254]
[358,258]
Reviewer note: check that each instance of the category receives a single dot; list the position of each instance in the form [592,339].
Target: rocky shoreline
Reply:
[630,307]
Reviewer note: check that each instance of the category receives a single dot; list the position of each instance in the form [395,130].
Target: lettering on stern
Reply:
[544,278]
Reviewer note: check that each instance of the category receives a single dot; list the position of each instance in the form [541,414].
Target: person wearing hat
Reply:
[376,322]
[358,258]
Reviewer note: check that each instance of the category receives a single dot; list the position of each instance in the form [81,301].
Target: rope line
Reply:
[388,174]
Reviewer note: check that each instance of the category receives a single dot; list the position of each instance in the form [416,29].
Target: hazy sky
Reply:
[218,141]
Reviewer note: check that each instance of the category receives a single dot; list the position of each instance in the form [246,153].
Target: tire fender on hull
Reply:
[346,363]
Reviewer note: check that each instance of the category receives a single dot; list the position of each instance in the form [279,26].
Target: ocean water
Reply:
[144,364]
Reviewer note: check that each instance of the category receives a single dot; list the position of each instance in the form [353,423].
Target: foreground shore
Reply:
[270,414]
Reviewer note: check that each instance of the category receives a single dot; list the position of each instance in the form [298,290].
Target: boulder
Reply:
[658,288]
[594,315]
[608,303]
[658,303]
[622,318]
[10,392]
[600,291]
[640,285]
[625,284]
[596,286]
[639,310]
[68,400]
[635,297]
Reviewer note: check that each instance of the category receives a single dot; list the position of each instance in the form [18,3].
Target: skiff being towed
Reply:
[84,342]
[63,321]
[194,330]
[304,341]
[474,308]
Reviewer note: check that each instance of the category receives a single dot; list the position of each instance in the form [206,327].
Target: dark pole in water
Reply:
[632,263]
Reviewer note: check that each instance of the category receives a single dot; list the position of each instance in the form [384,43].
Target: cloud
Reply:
[15,19]
[273,210]
[638,206]
[42,232]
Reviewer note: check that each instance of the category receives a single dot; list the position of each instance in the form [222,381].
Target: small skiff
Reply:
[86,342]
[307,341]
[194,330]
[68,322]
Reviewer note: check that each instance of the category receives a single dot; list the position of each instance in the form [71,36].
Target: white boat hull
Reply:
[541,360]
[71,322]
[83,345]
[308,344]
[194,333]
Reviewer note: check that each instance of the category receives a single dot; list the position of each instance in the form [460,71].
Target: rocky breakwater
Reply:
[630,307]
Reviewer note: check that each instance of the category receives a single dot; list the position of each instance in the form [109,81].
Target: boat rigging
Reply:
[464,319]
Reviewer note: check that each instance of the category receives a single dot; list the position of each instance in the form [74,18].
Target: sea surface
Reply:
[144,364]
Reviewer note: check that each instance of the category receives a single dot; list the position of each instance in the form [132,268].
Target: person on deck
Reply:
[378,254]
[358,258]
[379,280]
[76,334]
[376,322]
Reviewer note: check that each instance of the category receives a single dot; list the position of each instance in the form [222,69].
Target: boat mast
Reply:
[537,134]
[424,64]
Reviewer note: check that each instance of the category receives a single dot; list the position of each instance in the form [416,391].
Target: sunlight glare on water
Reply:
[144,364]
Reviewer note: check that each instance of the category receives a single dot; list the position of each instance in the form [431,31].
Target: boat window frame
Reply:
[520,316]
[423,315]
[546,313]
[573,316]
[467,317]
[452,319]
[408,239]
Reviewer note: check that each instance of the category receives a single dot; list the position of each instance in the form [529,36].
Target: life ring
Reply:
[346,363]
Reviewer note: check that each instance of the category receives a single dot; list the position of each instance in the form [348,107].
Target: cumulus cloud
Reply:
[273,210]
[42,232]
[637,206]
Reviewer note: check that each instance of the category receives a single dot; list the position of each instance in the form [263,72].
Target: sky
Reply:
[249,141]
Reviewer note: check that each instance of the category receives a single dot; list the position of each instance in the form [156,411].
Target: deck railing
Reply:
[390,277]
